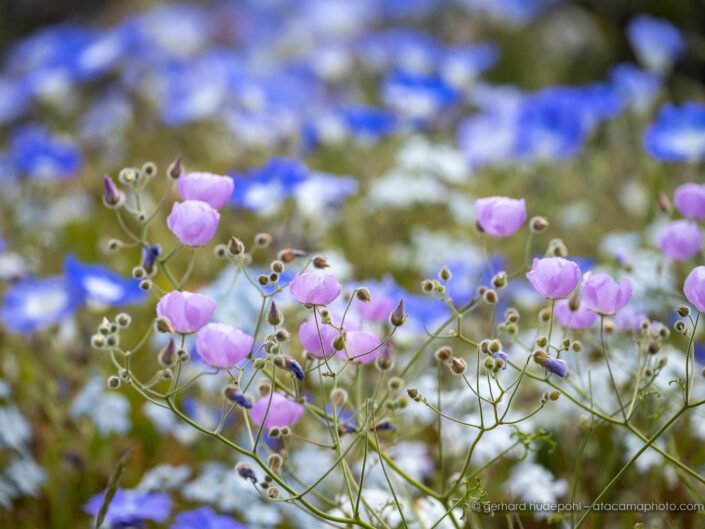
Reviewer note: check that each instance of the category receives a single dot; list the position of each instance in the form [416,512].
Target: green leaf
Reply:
[112,488]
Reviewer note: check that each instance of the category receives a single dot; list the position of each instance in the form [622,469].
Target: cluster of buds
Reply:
[511,319]
[495,359]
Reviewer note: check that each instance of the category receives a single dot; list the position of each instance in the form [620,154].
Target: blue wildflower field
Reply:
[386,264]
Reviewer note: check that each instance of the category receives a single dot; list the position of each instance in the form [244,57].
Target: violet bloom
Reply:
[500,216]
[205,518]
[689,200]
[362,346]
[276,409]
[193,222]
[694,288]
[187,312]
[629,318]
[680,240]
[315,289]
[603,295]
[554,277]
[221,345]
[210,188]
[377,309]
[580,318]
[556,366]
[130,508]
[311,341]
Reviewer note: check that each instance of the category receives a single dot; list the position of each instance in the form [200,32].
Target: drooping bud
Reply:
[164,325]
[338,397]
[445,274]
[683,311]
[274,315]
[664,203]
[321,262]
[457,366]
[274,462]
[385,358]
[289,255]
[363,295]
[398,316]
[150,254]
[245,472]
[291,365]
[443,354]
[413,393]
[557,248]
[233,394]
[539,224]
[112,196]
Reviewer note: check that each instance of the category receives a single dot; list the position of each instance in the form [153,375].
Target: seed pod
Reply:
[321,262]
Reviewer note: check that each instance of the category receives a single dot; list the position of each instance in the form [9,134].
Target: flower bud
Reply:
[495,346]
[129,176]
[427,285]
[457,366]
[114,245]
[113,382]
[175,169]
[245,472]
[445,274]
[363,295]
[289,255]
[321,262]
[98,341]
[263,280]
[274,315]
[541,341]
[538,224]
[275,432]
[413,393]
[235,246]
[338,397]
[112,196]
[164,325]
[263,240]
[339,343]
[664,203]
[168,356]
[443,354]
[490,296]
[282,336]
[395,384]
[272,493]
[233,394]
[277,267]
[259,364]
[220,251]
[398,316]
[274,462]
[683,311]
[145,285]
[499,280]
[576,346]
[511,315]
[557,248]
[123,320]
[554,395]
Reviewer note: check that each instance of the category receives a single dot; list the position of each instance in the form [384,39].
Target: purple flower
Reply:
[187,312]
[629,318]
[377,309]
[129,508]
[311,341]
[205,518]
[362,346]
[193,222]
[500,216]
[315,289]
[604,295]
[689,200]
[221,345]
[580,318]
[276,409]
[556,366]
[694,288]
[210,188]
[554,277]
[680,240]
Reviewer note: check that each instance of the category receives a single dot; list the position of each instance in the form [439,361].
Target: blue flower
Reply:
[129,508]
[656,42]
[556,366]
[418,97]
[678,134]
[637,88]
[368,123]
[33,304]
[510,11]
[14,99]
[462,65]
[100,285]
[265,188]
[38,154]
[205,518]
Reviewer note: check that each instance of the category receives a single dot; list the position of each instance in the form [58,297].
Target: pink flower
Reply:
[378,309]
[315,289]
[500,216]
[554,277]
[689,199]
[680,240]
[193,222]
[603,295]
[221,345]
[276,409]
[362,346]
[187,312]
[694,288]
[311,341]
[581,318]
[211,188]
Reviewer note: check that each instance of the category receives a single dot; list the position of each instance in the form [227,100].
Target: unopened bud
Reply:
[363,295]
[557,248]
[164,325]
[398,316]
[664,203]
[338,397]
[168,355]
[443,354]
[683,311]
[538,224]
[112,196]
[274,315]
[445,274]
[289,255]
[235,246]
[457,366]
[175,169]
[263,240]
[321,262]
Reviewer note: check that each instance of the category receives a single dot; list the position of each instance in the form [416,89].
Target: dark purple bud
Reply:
[398,317]
[233,394]
[556,366]
[150,254]
[274,316]
[384,426]
[346,428]
[112,196]
[292,365]
[175,169]
[245,472]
